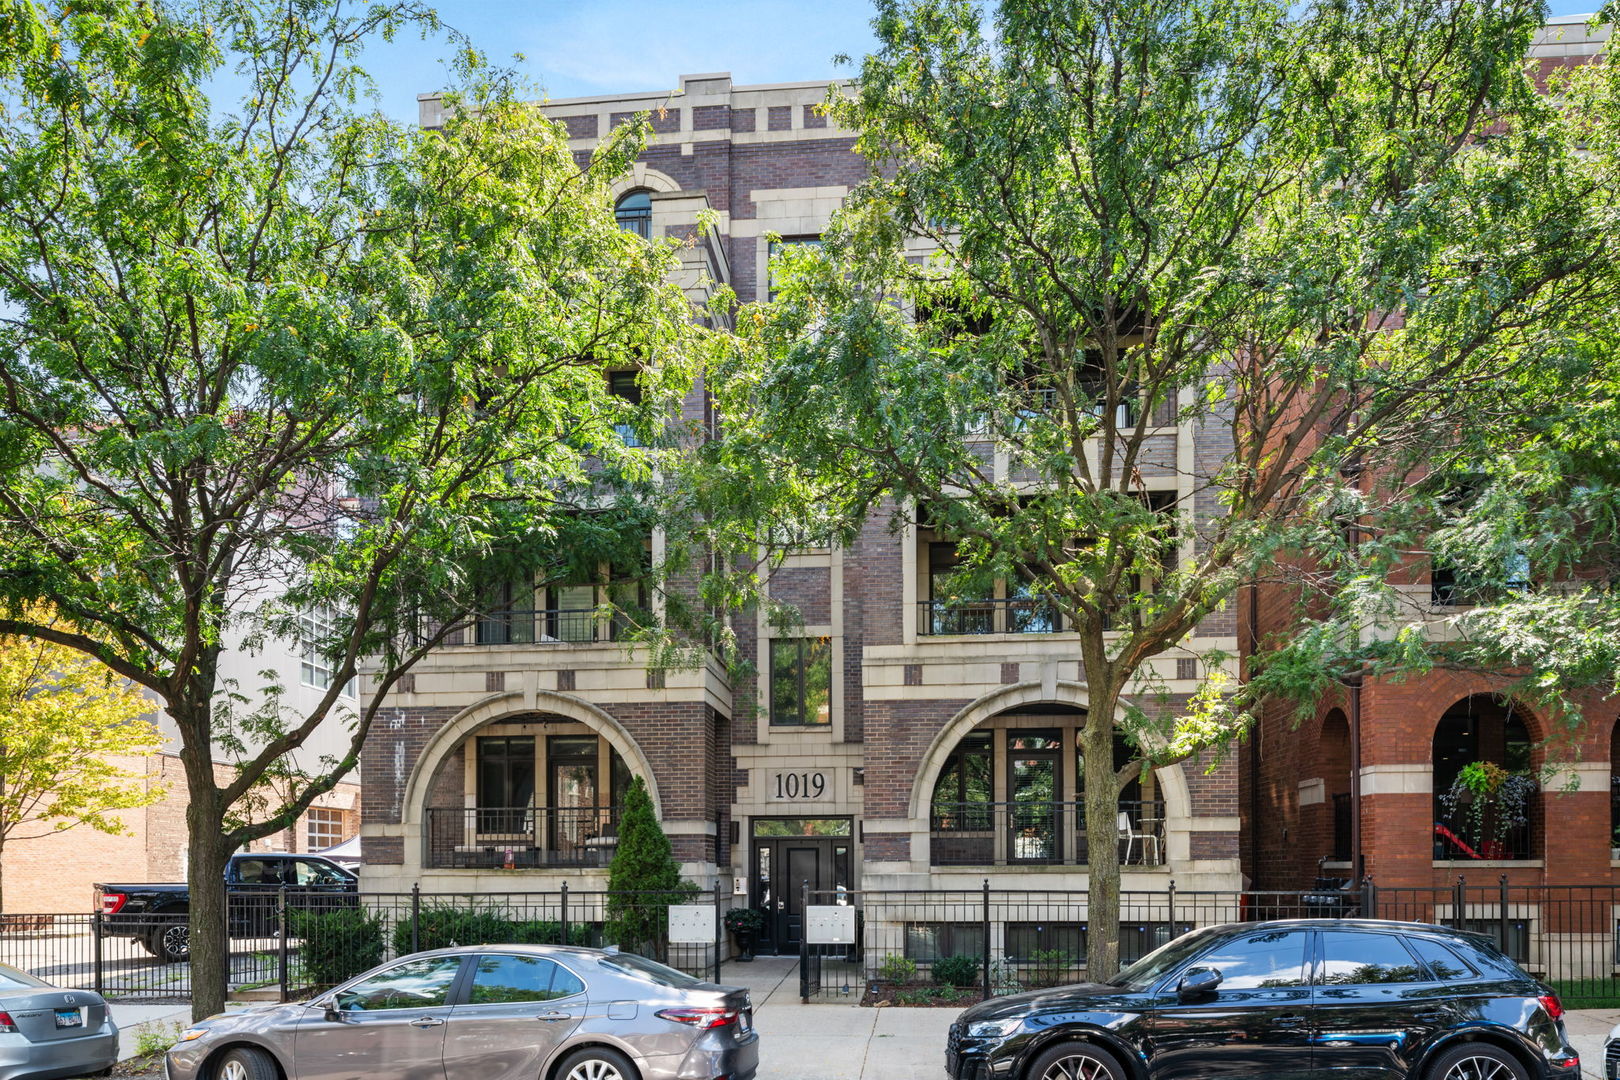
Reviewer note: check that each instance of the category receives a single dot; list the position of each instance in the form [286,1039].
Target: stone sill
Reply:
[1331,865]
[1488,864]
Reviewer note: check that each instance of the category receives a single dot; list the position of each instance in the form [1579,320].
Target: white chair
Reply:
[1128,833]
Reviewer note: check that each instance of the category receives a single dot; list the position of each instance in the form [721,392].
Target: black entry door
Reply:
[782,867]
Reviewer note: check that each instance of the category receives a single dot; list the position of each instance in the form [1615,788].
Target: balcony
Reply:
[1458,839]
[551,626]
[997,616]
[520,838]
[1039,834]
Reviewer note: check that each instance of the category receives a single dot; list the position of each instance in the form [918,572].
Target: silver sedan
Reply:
[46,1032]
[489,1012]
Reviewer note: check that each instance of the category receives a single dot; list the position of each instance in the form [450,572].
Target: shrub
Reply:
[957,971]
[442,926]
[643,879]
[897,969]
[1051,966]
[745,920]
[337,945]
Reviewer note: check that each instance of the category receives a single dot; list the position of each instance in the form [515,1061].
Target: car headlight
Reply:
[992,1029]
[192,1034]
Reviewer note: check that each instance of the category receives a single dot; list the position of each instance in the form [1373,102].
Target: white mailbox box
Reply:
[691,924]
[829,924]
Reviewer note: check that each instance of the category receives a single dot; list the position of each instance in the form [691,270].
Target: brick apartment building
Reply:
[898,743]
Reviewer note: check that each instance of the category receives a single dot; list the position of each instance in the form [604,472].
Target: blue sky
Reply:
[579,47]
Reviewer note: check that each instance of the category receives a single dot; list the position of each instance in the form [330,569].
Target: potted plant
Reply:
[745,923]
[1490,802]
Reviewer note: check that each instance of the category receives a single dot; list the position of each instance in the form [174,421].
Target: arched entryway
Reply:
[1008,790]
[1486,802]
[1333,766]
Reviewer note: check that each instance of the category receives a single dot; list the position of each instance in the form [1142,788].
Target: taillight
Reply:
[700,1018]
[1554,1007]
[8,1026]
[113,902]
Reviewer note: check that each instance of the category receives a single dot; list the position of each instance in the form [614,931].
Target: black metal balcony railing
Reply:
[1039,833]
[544,626]
[520,837]
[1457,839]
[1341,828]
[997,616]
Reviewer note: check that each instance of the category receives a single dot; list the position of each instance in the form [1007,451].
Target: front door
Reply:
[784,864]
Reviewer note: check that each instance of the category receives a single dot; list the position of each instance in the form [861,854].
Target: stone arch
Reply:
[1172,781]
[1482,726]
[498,707]
[641,175]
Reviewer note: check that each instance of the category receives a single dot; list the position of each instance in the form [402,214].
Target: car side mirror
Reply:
[1198,982]
[329,1010]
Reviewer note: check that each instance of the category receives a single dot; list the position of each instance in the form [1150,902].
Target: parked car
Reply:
[47,1032]
[1352,998]
[1611,1055]
[158,915]
[490,1012]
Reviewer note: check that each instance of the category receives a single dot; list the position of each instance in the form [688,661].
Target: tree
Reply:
[290,358]
[66,724]
[1328,241]
[643,878]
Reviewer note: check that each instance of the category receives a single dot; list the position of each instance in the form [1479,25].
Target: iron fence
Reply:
[516,838]
[286,947]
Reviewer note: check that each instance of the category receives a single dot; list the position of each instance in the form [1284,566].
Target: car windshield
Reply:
[1156,964]
[12,979]
[650,969]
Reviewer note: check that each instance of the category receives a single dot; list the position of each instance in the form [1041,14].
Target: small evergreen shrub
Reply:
[643,879]
[897,969]
[337,945]
[959,971]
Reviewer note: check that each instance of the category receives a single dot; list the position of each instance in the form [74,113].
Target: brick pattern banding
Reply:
[494,682]
[1009,672]
[913,674]
[711,117]
[813,117]
[743,119]
[807,588]
[581,127]
[780,118]
[565,680]
[666,121]
[383,850]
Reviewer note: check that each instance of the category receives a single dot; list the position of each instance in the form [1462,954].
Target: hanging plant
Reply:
[1490,797]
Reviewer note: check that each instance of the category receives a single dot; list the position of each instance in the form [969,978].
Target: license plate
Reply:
[744,1022]
[69,1018]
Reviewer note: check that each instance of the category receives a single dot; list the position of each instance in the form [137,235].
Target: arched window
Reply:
[1484,787]
[1333,766]
[633,212]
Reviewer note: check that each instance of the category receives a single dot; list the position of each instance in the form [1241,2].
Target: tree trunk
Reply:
[1102,833]
[205,879]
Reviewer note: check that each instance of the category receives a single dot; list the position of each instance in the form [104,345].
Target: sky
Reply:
[574,48]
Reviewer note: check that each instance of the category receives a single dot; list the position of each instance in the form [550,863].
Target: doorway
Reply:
[786,854]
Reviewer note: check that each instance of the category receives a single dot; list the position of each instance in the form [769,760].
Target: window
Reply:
[779,246]
[633,212]
[927,942]
[1351,958]
[1140,939]
[801,674]
[965,788]
[505,780]
[259,871]
[1059,945]
[501,979]
[623,385]
[1446,965]
[1517,945]
[323,829]
[310,872]
[1259,961]
[316,627]
[415,984]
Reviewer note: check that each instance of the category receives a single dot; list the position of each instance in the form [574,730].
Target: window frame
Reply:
[1320,960]
[452,995]
[466,997]
[636,220]
[324,815]
[801,668]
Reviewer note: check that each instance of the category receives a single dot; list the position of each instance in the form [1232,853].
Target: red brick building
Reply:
[897,743]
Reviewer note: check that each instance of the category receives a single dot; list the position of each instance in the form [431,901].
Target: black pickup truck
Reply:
[158,916]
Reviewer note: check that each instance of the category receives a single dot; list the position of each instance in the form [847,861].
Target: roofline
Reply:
[592,99]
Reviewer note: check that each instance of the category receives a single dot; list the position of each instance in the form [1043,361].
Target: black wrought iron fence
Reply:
[285,946]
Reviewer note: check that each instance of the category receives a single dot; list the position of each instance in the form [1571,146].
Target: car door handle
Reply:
[552,1016]
[1288,1021]
[426,1021]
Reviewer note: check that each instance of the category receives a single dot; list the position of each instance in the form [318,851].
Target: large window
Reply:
[801,680]
[323,829]
[505,979]
[927,942]
[633,212]
[778,246]
[1355,958]
[966,785]
[506,771]
[316,627]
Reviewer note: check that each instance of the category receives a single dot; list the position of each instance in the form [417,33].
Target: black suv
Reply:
[1339,999]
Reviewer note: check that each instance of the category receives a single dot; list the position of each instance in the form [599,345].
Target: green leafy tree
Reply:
[1329,241]
[287,356]
[643,878]
[68,729]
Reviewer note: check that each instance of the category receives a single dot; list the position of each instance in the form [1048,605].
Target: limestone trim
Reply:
[1413,779]
[643,176]
[1172,781]
[498,707]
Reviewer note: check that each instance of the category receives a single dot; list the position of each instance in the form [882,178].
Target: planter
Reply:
[745,945]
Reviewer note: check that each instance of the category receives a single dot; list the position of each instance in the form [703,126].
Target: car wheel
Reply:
[246,1063]
[172,944]
[592,1063]
[1476,1061]
[1075,1061]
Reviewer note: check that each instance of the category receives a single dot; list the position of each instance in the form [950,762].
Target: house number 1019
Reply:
[798,785]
